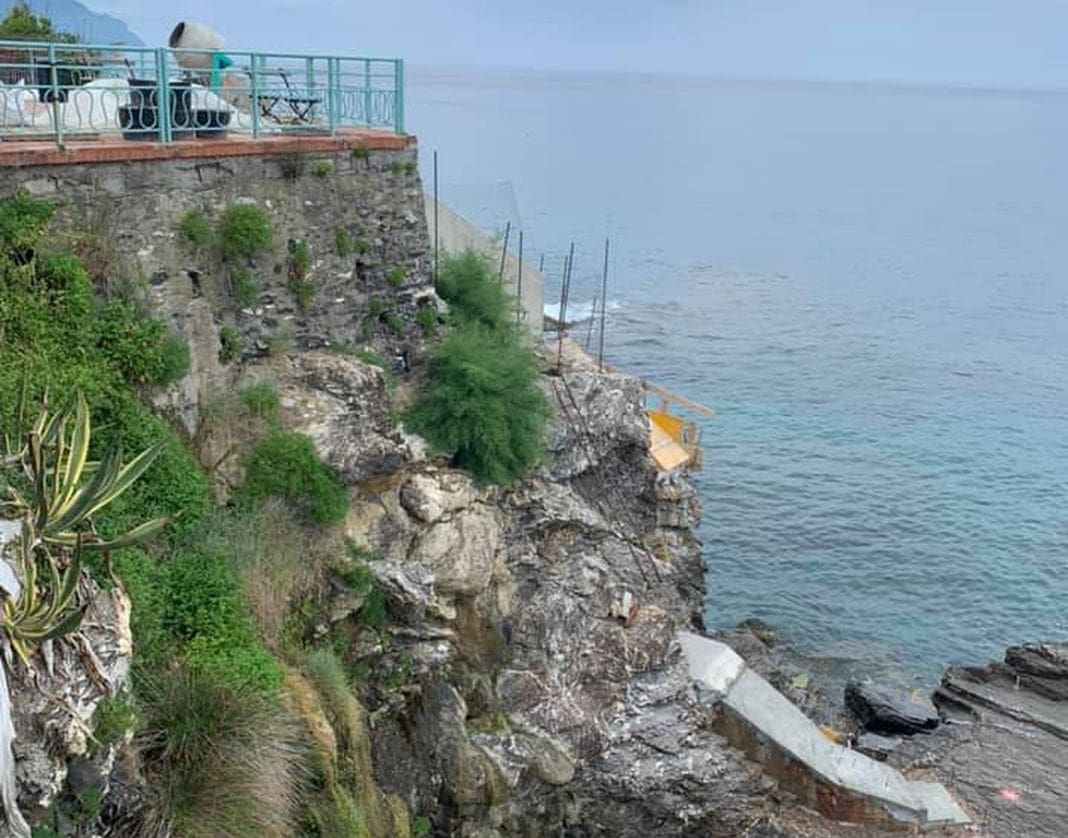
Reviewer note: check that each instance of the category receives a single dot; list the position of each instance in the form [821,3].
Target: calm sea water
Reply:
[869,284]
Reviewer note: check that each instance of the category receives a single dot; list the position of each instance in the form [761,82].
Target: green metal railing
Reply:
[60,91]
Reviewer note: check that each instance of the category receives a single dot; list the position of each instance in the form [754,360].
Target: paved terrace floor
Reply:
[114,149]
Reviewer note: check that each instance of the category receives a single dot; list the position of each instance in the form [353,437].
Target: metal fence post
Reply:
[254,95]
[332,93]
[398,96]
[163,104]
[367,91]
[57,123]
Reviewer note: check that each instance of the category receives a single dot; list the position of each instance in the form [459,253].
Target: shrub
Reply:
[141,349]
[195,229]
[284,465]
[466,283]
[343,242]
[427,318]
[206,615]
[363,247]
[22,221]
[246,289]
[232,344]
[322,168]
[482,405]
[395,323]
[395,276]
[244,230]
[361,152]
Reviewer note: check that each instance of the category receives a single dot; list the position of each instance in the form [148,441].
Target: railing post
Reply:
[332,92]
[57,123]
[163,104]
[398,96]
[254,95]
[367,91]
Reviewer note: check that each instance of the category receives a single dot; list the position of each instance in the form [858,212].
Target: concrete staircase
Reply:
[840,783]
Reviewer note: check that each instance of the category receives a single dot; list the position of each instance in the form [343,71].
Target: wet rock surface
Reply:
[1004,748]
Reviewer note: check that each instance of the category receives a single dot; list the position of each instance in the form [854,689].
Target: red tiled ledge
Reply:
[113,149]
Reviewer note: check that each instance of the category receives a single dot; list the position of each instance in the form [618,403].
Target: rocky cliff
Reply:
[534,627]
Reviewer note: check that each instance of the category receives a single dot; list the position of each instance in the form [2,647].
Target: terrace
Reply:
[107,102]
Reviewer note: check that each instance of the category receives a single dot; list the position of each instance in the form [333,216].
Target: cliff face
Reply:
[533,629]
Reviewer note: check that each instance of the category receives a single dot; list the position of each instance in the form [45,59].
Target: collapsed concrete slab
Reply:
[840,783]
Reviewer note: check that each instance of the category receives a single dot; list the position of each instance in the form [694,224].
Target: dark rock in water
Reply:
[888,709]
[875,746]
[1042,668]
[761,630]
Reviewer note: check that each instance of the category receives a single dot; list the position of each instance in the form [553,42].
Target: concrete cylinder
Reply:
[192,35]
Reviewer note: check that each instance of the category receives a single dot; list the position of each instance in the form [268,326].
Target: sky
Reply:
[987,43]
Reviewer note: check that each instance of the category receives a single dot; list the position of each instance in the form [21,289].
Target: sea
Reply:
[867,282]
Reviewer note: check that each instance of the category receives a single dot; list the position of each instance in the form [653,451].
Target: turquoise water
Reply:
[869,284]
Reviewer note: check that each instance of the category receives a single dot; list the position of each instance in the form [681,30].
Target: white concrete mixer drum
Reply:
[190,35]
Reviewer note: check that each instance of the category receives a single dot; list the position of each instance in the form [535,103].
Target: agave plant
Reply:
[41,612]
[66,489]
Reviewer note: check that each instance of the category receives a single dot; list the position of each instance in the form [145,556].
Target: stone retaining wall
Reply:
[123,218]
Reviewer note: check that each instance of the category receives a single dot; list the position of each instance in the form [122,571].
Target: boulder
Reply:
[883,708]
[462,552]
[430,497]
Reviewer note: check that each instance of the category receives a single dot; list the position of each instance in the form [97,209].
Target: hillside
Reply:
[90,26]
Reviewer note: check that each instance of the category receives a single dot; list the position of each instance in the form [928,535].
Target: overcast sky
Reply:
[1012,43]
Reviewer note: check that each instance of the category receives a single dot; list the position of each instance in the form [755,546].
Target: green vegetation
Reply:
[377,306]
[284,465]
[231,344]
[427,318]
[322,168]
[22,23]
[218,757]
[369,356]
[482,405]
[363,247]
[195,229]
[395,276]
[395,323]
[343,242]
[300,286]
[361,152]
[399,167]
[261,399]
[246,289]
[244,231]
[115,717]
[225,600]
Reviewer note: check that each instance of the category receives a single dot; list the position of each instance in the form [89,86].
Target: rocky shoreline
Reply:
[548,694]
